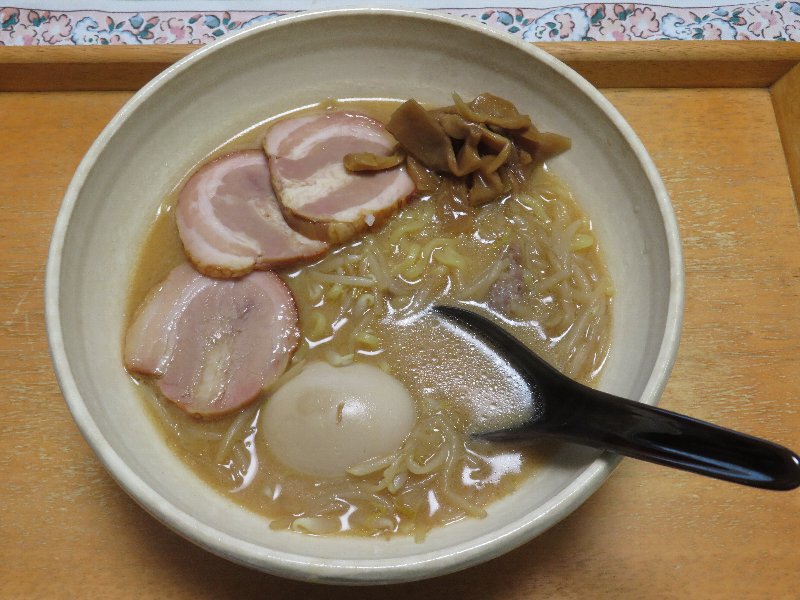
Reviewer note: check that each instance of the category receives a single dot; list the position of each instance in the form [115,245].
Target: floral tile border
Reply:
[779,20]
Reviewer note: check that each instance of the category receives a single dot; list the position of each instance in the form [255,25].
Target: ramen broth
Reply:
[530,260]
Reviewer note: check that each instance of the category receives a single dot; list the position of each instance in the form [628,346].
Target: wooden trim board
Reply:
[786,104]
[605,64]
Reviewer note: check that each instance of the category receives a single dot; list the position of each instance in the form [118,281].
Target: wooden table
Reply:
[710,115]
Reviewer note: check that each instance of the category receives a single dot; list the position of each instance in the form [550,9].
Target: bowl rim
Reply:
[386,570]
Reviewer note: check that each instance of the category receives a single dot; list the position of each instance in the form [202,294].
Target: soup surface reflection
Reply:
[530,260]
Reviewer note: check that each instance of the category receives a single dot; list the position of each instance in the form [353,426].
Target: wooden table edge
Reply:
[785,93]
[604,64]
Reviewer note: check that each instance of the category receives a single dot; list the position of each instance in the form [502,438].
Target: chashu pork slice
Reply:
[213,345]
[230,222]
[320,198]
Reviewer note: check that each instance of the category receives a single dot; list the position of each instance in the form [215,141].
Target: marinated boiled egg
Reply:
[327,419]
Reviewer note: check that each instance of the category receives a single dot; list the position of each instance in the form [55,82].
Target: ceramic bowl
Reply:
[193,106]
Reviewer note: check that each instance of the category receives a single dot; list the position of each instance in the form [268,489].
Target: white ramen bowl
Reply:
[192,107]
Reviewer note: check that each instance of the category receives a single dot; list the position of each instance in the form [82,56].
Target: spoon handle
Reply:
[593,418]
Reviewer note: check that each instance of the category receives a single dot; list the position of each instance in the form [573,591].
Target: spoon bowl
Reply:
[570,411]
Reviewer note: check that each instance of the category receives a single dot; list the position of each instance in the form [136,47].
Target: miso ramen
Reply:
[530,259]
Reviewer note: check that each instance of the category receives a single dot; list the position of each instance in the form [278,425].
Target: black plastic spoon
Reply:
[570,411]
